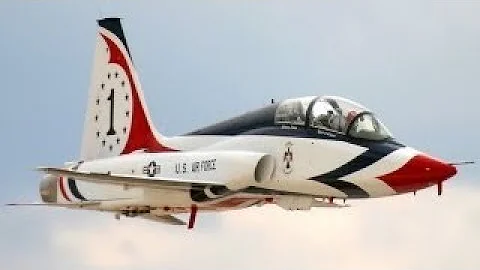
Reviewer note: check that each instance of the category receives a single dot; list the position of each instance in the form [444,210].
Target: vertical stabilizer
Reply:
[117,120]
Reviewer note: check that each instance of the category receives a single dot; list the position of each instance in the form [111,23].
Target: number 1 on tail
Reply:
[111,98]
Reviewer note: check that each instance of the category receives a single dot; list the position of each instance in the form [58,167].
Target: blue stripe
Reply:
[72,185]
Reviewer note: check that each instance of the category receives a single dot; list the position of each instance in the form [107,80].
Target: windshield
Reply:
[366,126]
[347,117]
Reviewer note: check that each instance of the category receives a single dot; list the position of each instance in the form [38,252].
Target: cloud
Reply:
[402,232]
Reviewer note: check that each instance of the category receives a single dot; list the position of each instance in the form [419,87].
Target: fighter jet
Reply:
[300,153]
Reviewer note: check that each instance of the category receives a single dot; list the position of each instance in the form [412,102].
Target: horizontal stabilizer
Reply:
[129,180]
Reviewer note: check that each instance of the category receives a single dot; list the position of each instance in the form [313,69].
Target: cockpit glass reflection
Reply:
[343,115]
[293,111]
[366,126]
[334,114]
[324,115]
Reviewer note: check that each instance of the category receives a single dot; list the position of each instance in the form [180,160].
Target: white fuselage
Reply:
[311,156]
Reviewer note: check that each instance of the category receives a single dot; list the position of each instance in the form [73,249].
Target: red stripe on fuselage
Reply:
[62,189]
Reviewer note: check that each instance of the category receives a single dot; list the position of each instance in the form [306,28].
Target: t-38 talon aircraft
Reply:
[299,153]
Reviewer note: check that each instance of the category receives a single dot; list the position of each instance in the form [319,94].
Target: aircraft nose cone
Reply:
[432,169]
[448,170]
[419,172]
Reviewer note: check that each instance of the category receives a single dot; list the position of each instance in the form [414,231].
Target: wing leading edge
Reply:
[129,180]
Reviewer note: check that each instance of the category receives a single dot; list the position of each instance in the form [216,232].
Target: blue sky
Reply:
[415,63]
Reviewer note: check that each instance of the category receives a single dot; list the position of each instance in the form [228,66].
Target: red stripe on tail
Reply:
[141,135]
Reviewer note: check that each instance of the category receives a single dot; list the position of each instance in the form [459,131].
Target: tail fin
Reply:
[117,120]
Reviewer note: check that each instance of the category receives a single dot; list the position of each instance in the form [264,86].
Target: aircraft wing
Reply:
[129,180]
[83,204]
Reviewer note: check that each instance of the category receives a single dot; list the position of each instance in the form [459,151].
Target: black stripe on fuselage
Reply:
[246,122]
[74,190]
[197,193]
[261,122]
[350,189]
[374,153]
[376,150]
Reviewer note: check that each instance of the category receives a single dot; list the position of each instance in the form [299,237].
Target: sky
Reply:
[416,64]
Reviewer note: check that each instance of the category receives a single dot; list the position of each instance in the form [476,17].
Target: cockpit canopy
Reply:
[331,113]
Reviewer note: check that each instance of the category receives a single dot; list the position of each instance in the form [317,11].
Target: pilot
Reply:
[327,116]
[324,120]
[348,120]
[336,121]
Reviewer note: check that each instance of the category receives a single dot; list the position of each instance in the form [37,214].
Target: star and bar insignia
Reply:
[151,169]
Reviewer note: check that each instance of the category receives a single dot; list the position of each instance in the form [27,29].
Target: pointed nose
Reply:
[419,172]
[432,169]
